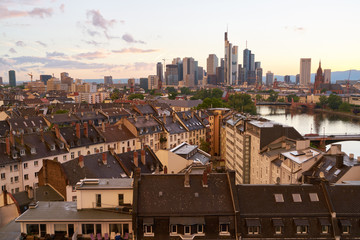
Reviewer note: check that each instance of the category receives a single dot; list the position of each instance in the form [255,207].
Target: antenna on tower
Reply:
[246,43]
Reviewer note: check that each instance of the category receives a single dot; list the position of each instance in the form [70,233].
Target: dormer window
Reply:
[14,155]
[22,152]
[52,147]
[33,150]
[61,145]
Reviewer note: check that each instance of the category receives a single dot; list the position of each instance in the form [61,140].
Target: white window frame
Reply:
[172,229]
[202,228]
[187,227]
[227,229]
[149,233]
[302,229]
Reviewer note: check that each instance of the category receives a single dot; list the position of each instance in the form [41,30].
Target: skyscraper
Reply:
[287,79]
[153,82]
[231,59]
[1,81]
[269,78]
[259,74]
[172,74]
[45,78]
[189,72]
[212,63]
[234,65]
[108,80]
[252,62]
[12,78]
[144,84]
[305,71]
[159,73]
[327,75]
[297,81]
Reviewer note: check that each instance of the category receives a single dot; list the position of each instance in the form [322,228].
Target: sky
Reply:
[91,39]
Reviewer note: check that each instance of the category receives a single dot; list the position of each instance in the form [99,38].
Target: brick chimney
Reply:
[136,159]
[143,159]
[183,115]
[104,158]
[81,161]
[205,179]
[164,116]
[165,169]
[12,140]
[8,146]
[77,127]
[86,129]
[192,114]
[187,179]
[57,131]
[339,161]
[90,122]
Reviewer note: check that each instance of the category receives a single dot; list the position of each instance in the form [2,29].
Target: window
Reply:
[279,197]
[36,163]
[52,147]
[72,155]
[278,229]
[98,200]
[11,179]
[345,226]
[26,176]
[15,168]
[25,165]
[313,197]
[33,150]
[17,190]
[148,230]
[254,230]
[64,157]
[3,176]
[101,149]
[302,229]
[187,230]
[173,228]
[79,153]
[121,199]
[10,168]
[88,228]
[324,229]
[224,228]
[296,197]
[345,229]
[200,228]
[22,152]
[3,187]
[16,179]
[36,174]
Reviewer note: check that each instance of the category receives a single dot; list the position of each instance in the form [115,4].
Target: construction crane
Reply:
[31,76]
[348,82]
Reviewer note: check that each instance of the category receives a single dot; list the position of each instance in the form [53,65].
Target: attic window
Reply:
[337,172]
[33,150]
[52,147]
[313,197]
[22,152]
[61,146]
[279,197]
[296,197]
[328,168]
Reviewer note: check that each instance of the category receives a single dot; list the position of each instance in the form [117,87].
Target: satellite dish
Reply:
[321,175]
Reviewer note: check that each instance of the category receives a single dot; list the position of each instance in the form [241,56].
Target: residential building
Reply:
[196,129]
[305,71]
[108,80]
[174,131]
[153,82]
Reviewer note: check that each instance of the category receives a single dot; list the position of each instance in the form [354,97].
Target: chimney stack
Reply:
[8,146]
[143,157]
[339,161]
[81,161]
[205,179]
[103,126]
[187,179]
[183,115]
[164,117]
[86,129]
[12,140]
[165,169]
[192,114]
[136,159]
[30,192]
[77,126]
[104,158]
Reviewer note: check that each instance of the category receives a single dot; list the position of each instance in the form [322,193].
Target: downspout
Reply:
[233,203]
[330,208]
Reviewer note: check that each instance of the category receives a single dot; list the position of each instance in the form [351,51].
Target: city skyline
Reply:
[93,40]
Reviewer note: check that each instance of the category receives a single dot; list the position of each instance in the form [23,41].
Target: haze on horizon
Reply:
[90,39]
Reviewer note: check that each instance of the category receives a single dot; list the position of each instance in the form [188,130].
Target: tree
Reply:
[171,90]
[61,111]
[345,107]
[273,97]
[136,96]
[242,102]
[323,100]
[258,97]
[115,94]
[210,102]
[334,101]
[293,96]
[172,95]
[205,146]
[185,91]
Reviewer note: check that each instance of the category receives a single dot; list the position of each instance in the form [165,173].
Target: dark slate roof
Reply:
[47,193]
[166,195]
[62,118]
[146,109]
[171,126]
[252,199]
[69,133]
[4,128]
[146,125]
[191,122]
[345,199]
[93,168]
[27,112]
[91,115]
[181,103]
[151,161]
[32,101]
[25,123]
[115,112]
[115,134]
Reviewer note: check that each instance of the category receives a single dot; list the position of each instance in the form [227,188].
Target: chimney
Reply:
[143,157]
[165,169]
[138,173]
[157,170]
[339,161]
[86,129]
[8,146]
[205,179]
[135,118]
[104,158]
[129,149]
[173,118]
[90,122]
[164,116]
[358,159]
[5,196]
[12,141]
[187,179]
[77,127]
[183,115]
[57,131]
[30,192]
[192,114]
[81,161]
[82,114]
[351,156]
[136,159]
[283,144]
[103,126]
[147,117]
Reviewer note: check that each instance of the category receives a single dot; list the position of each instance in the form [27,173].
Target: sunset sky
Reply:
[92,38]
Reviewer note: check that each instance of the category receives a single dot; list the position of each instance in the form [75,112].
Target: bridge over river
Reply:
[322,140]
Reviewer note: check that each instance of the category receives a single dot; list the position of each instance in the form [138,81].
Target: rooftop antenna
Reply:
[246,44]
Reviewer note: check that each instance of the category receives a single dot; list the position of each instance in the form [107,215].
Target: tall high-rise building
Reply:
[63,75]
[189,72]
[12,78]
[269,78]
[172,74]
[252,62]
[259,75]
[297,79]
[1,81]
[231,59]
[108,80]
[153,82]
[305,71]
[257,65]
[212,63]
[287,79]
[327,75]
[144,84]
[131,84]
[45,78]
[246,59]
[159,73]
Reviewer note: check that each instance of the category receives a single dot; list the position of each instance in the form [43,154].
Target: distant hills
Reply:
[338,75]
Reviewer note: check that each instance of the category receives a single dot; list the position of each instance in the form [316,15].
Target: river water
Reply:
[313,122]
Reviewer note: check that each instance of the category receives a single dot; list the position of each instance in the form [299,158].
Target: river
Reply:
[314,122]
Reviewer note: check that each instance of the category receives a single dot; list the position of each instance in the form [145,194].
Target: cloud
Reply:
[135,50]
[41,43]
[92,33]
[36,12]
[62,8]
[12,50]
[90,55]
[294,28]
[92,42]
[98,20]
[41,12]
[129,39]
[20,44]
[55,54]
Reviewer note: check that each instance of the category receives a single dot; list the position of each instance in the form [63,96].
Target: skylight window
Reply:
[279,197]
[337,172]
[296,197]
[313,197]
[328,168]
